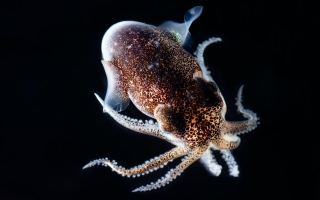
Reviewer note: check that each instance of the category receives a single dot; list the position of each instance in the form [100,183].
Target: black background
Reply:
[52,125]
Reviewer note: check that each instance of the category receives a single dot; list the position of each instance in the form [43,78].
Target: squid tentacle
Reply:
[210,163]
[173,173]
[229,159]
[239,127]
[148,127]
[199,56]
[231,163]
[149,166]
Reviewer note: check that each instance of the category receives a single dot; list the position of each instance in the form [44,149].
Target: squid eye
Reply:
[169,119]
[213,86]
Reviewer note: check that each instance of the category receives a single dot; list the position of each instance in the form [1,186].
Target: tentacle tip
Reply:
[87,166]
[99,99]
[214,39]
[97,96]
[136,190]
[234,172]
[240,89]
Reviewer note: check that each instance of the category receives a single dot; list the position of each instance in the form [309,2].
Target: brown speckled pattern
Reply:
[156,70]
[148,66]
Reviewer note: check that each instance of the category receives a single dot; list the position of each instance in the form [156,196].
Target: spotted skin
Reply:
[162,73]
[152,69]
[148,66]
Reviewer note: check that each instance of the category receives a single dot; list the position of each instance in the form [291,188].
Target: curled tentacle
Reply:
[239,127]
[199,56]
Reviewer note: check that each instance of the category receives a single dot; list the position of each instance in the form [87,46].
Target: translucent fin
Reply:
[188,42]
[192,15]
[115,97]
[181,30]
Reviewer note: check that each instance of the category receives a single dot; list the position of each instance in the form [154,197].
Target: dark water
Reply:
[52,125]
